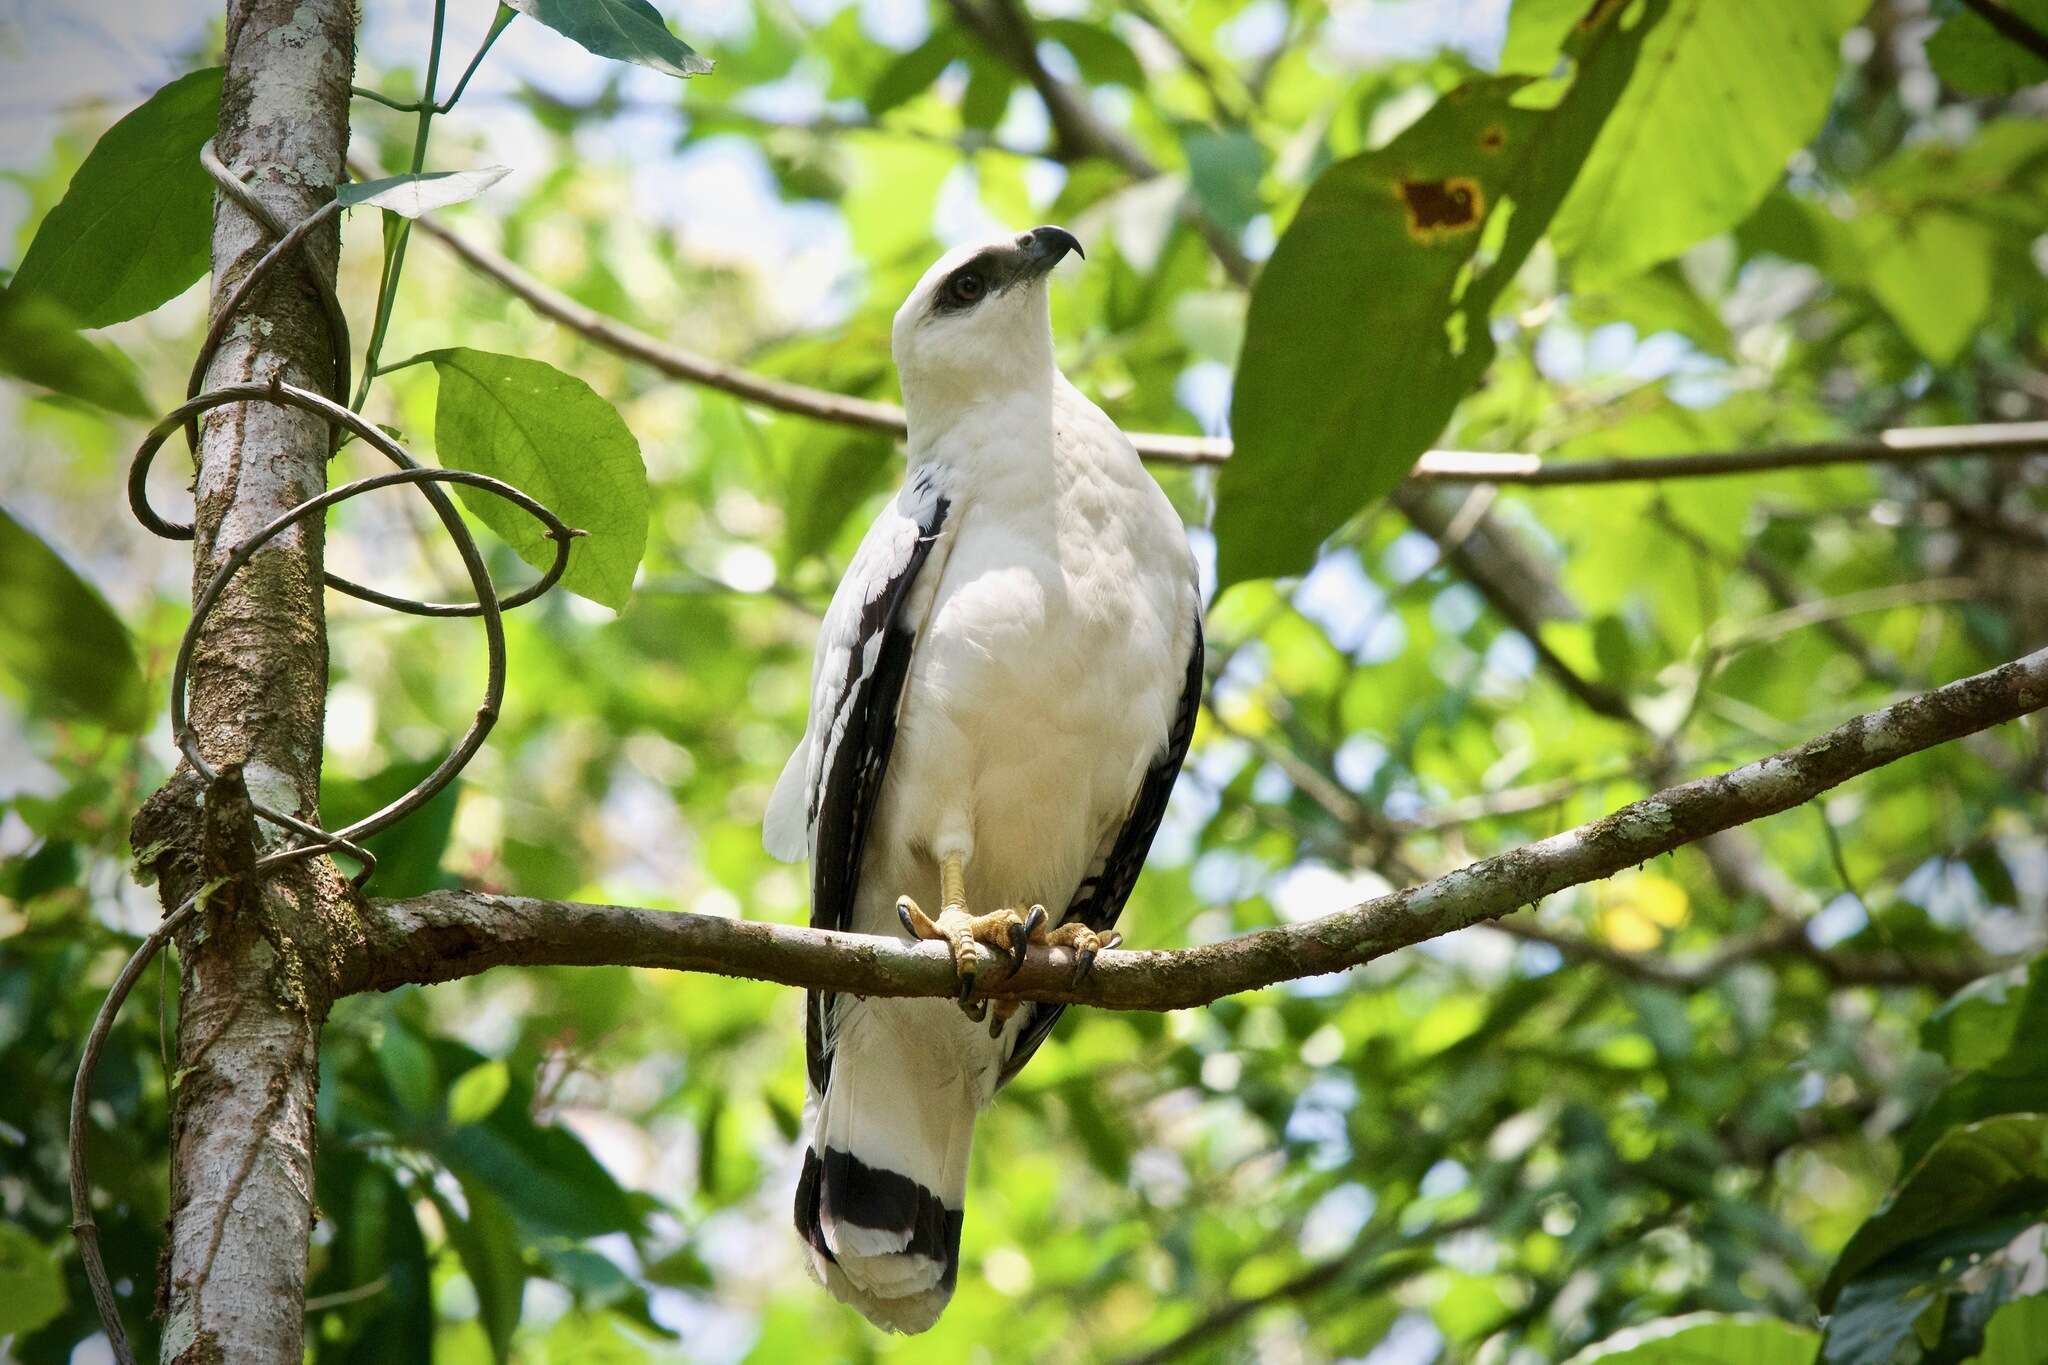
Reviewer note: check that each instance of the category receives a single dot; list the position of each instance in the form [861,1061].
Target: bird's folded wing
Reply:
[825,798]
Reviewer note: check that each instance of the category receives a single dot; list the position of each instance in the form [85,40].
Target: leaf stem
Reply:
[394,256]
[506,14]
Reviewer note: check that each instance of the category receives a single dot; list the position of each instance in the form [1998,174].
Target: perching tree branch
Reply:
[1903,445]
[453,934]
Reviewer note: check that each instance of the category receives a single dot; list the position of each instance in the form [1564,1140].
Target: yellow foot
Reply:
[1083,942]
[1003,932]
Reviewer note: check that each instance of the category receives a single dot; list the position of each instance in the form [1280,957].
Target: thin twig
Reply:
[1902,445]
[2011,26]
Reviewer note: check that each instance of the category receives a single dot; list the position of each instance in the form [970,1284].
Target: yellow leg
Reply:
[1003,932]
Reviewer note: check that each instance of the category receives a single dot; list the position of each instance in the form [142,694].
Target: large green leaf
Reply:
[134,226]
[488,1244]
[1932,271]
[409,852]
[1701,1337]
[1976,59]
[31,1285]
[1370,322]
[1977,1173]
[40,342]
[1980,1024]
[62,649]
[624,30]
[551,436]
[1725,91]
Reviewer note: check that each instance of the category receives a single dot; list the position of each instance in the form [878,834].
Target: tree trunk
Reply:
[253,989]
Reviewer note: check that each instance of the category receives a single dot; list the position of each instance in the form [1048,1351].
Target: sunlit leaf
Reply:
[414,195]
[1977,1172]
[63,651]
[477,1092]
[624,30]
[135,225]
[1976,59]
[31,1284]
[1672,167]
[40,342]
[550,436]
[1371,320]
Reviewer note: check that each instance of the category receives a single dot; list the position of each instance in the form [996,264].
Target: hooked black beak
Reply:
[1045,247]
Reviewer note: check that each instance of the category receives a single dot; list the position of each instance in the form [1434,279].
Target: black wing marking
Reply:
[843,800]
[1100,897]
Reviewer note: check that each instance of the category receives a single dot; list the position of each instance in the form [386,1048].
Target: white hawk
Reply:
[1004,689]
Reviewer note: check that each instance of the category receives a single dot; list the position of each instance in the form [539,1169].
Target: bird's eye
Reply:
[967,287]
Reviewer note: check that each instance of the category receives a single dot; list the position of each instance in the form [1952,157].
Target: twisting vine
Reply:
[303,839]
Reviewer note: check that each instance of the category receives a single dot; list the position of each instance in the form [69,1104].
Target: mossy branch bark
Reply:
[452,934]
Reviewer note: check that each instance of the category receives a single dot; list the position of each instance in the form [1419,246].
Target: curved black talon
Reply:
[977,1010]
[903,915]
[1086,960]
[1021,934]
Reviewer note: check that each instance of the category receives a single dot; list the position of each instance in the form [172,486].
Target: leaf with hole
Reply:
[1418,239]
[135,226]
[551,436]
[63,651]
[412,196]
[40,342]
[624,30]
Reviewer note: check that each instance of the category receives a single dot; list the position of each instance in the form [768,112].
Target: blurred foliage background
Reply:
[1681,1091]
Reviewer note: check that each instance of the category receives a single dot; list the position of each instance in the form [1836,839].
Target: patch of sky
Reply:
[1203,389]
[1358,761]
[1840,918]
[1374,33]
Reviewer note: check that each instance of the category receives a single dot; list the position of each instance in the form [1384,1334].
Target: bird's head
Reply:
[979,320]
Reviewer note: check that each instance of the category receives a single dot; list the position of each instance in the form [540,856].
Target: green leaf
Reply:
[408,1068]
[414,195]
[62,648]
[135,225]
[40,342]
[987,96]
[1974,1173]
[1976,59]
[477,1092]
[1672,168]
[1537,30]
[831,474]
[2016,1332]
[1931,270]
[548,1179]
[409,852]
[552,437]
[1104,58]
[1698,1337]
[1420,238]
[1224,170]
[487,1242]
[1979,1025]
[911,74]
[624,30]
[31,1283]
[1658,300]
